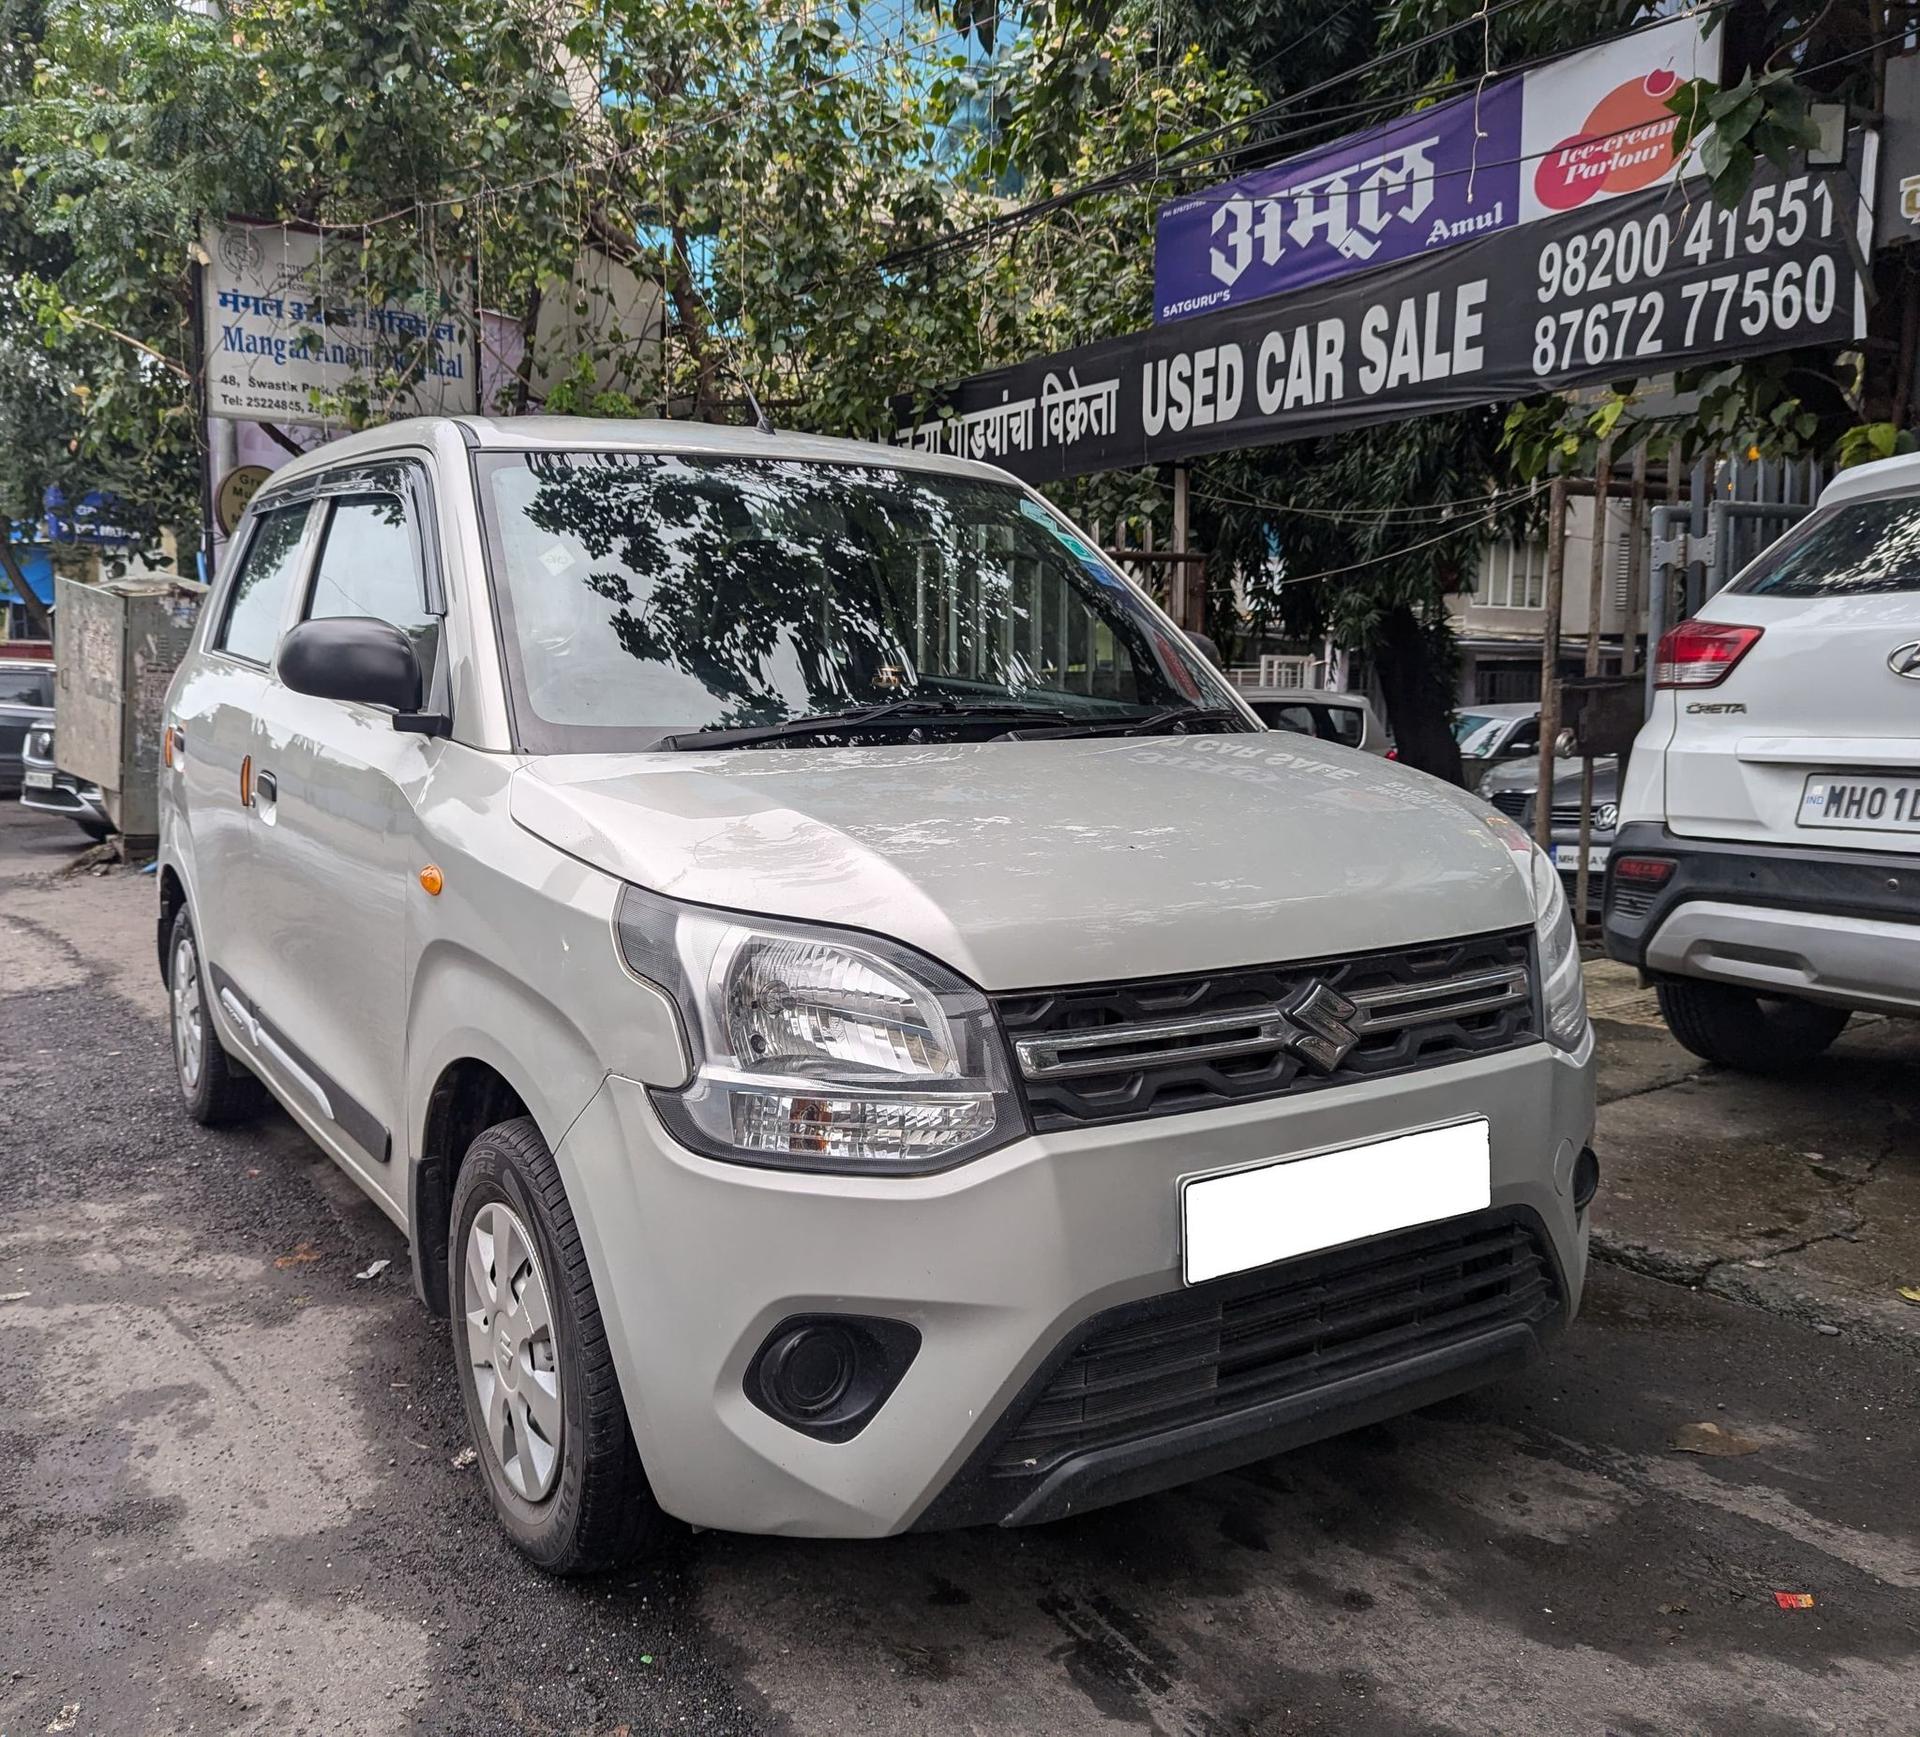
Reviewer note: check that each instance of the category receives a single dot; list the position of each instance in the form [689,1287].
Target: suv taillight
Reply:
[1646,871]
[1700,654]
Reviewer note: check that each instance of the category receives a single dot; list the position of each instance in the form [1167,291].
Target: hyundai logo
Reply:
[1904,660]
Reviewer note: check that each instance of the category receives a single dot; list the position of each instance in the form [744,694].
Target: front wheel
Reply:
[1750,1033]
[535,1370]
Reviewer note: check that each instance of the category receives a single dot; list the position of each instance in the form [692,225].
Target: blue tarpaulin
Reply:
[37,563]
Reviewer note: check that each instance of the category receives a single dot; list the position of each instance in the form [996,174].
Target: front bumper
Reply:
[68,796]
[1002,1266]
[1841,927]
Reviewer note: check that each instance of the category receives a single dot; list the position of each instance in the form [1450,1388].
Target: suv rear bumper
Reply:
[1841,927]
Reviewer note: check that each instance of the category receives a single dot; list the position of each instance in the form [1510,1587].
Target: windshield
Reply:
[1475,732]
[645,595]
[1856,547]
[26,687]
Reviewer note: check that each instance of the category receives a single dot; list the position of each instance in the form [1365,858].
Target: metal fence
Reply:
[1734,509]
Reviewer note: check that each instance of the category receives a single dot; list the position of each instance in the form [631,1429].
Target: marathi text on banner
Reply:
[279,334]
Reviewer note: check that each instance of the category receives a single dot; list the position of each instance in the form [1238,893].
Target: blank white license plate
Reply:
[39,780]
[1248,1218]
[1863,804]
[1567,856]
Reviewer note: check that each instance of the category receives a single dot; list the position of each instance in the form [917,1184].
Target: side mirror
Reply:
[352,657]
[1203,643]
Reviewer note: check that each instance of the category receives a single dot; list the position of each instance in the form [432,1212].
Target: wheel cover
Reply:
[189,1028]
[512,1359]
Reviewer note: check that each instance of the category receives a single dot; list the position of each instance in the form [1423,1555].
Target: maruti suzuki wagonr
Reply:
[860,1026]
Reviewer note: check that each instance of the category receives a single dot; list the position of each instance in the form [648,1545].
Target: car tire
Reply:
[216,1087]
[575,1501]
[97,830]
[1747,1032]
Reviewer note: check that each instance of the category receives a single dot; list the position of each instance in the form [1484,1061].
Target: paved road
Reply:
[229,1499]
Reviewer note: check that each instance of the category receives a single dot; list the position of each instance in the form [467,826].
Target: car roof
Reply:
[622,434]
[1883,476]
[1330,696]
[1504,709]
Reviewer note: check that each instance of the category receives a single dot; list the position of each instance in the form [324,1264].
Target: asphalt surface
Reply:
[231,1497]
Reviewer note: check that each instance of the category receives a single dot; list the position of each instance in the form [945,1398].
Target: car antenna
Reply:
[760,421]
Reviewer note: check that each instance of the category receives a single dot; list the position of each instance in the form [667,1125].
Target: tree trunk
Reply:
[1413,666]
[36,610]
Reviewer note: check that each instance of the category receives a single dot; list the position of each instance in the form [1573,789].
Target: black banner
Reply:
[1630,287]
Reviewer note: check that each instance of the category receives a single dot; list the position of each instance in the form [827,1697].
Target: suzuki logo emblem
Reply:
[1326,1020]
[1904,660]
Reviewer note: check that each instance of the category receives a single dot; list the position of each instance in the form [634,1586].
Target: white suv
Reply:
[1766,871]
[861,1028]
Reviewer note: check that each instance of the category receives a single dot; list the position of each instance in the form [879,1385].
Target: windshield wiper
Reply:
[1168,720]
[893,715]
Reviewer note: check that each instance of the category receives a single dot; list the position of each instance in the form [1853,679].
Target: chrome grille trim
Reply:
[1158,1042]
[1479,992]
[1113,1047]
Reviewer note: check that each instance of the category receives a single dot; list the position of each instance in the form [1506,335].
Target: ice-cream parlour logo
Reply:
[1625,143]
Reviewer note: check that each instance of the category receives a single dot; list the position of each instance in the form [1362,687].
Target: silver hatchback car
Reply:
[861,1028]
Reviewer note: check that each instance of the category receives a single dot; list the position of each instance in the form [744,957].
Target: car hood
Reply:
[1524,775]
[1024,864]
[1606,784]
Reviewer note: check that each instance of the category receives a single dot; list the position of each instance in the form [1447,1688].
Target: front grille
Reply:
[1513,802]
[1241,1342]
[1164,1046]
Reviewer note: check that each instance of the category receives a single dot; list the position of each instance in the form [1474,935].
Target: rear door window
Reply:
[1854,549]
[1343,724]
[1285,715]
[251,628]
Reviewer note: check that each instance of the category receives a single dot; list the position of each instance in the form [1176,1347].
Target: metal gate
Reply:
[1734,509]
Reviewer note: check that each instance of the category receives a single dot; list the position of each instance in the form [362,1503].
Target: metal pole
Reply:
[1180,591]
[1659,586]
[1636,550]
[1596,580]
[198,396]
[1550,659]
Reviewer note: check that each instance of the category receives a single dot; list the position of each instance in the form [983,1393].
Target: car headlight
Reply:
[818,1048]
[1485,787]
[1563,991]
[1606,816]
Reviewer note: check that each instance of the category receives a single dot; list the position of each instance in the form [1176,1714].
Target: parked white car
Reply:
[860,1026]
[1348,719]
[1766,870]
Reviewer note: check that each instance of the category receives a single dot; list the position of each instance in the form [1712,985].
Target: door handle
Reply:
[266,793]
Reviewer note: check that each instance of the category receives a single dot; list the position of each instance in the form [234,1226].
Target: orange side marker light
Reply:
[432,879]
[246,781]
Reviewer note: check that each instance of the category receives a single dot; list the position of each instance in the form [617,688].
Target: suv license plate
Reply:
[39,780]
[1249,1218]
[1862,804]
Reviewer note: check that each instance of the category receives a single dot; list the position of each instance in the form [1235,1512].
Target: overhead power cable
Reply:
[1172,162]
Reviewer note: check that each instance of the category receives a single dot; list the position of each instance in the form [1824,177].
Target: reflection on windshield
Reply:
[649,594]
[1860,547]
